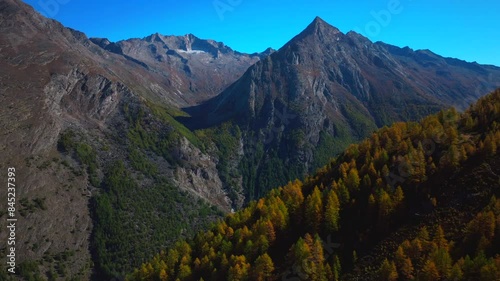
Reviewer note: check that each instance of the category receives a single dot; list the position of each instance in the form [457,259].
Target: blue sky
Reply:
[464,29]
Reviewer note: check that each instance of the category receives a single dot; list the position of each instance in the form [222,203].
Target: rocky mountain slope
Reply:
[198,69]
[415,201]
[72,112]
[325,89]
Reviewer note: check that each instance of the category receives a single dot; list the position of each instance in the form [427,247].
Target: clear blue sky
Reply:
[465,29]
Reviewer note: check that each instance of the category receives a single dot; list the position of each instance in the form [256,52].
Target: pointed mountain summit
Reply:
[317,29]
[318,25]
[324,63]
[325,89]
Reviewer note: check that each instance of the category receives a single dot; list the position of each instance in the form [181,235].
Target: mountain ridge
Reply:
[339,88]
[197,68]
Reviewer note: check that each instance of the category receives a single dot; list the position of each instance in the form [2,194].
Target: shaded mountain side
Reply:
[415,201]
[77,115]
[462,199]
[325,89]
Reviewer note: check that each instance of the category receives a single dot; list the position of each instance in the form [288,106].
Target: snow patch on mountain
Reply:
[191,51]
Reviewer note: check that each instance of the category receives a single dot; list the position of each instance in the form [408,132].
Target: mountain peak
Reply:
[318,25]
[318,20]
[317,28]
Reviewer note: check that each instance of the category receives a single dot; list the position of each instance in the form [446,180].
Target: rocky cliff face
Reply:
[325,89]
[53,80]
[201,177]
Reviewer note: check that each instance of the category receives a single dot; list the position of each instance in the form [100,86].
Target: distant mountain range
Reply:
[197,69]
[105,134]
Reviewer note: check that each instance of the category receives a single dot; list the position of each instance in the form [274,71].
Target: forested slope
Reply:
[413,201]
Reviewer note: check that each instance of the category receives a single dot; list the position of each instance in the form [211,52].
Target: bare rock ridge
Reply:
[198,69]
